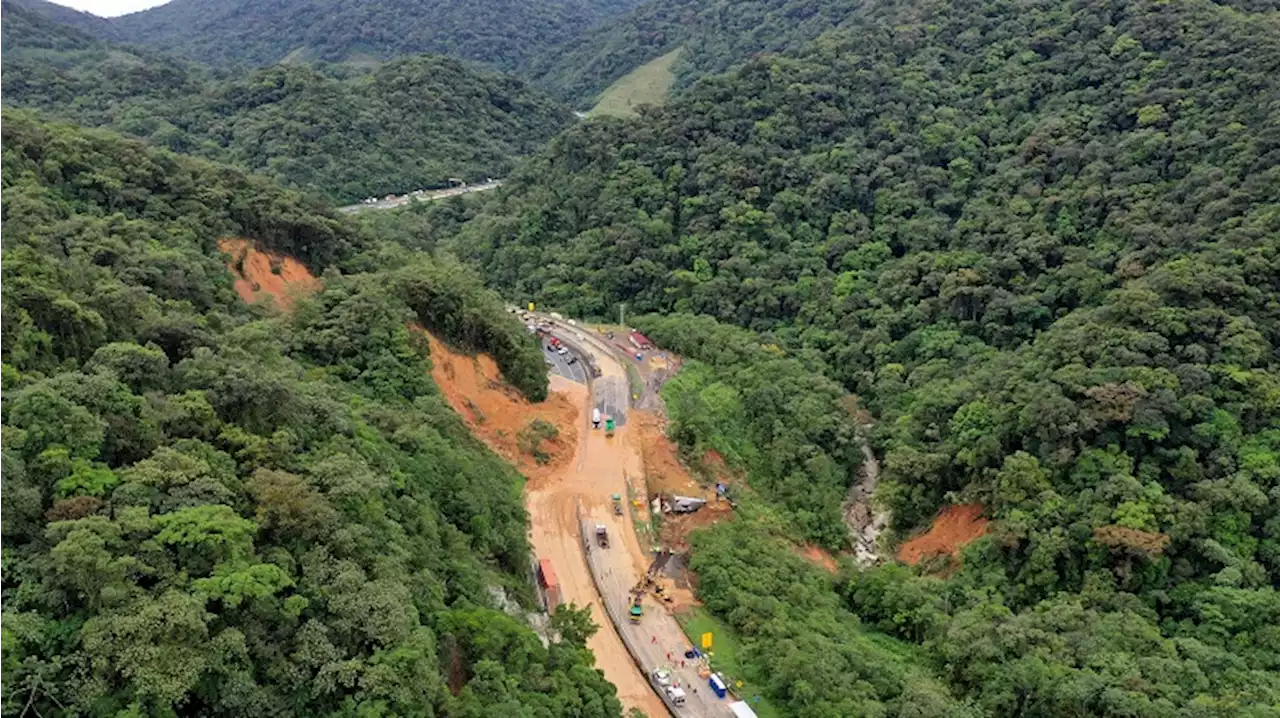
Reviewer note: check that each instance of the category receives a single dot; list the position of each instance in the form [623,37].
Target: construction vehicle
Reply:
[617,504]
[602,536]
[608,426]
[637,609]
[595,418]
[648,582]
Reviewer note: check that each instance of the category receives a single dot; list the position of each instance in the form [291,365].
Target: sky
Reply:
[110,8]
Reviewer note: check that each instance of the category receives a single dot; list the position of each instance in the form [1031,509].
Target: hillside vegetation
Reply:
[649,84]
[407,124]
[215,510]
[715,36]
[1040,244]
[502,34]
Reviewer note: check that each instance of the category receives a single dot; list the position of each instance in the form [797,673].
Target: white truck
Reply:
[675,695]
[595,418]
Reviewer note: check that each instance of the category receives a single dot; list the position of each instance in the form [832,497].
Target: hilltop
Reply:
[501,34]
[342,133]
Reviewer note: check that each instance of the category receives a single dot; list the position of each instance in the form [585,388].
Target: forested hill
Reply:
[715,36]
[81,22]
[212,510]
[1040,242]
[498,33]
[347,134]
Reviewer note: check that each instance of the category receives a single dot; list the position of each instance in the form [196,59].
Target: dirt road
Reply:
[552,504]
[600,469]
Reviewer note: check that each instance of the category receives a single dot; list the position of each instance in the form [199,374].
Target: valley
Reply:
[924,354]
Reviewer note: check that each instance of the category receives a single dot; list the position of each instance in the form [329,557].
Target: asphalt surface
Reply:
[609,392]
[560,365]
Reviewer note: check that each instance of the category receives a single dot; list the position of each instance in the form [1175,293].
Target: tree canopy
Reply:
[215,509]
[416,122]
[1039,244]
[498,33]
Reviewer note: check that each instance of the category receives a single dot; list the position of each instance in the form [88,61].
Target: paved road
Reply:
[610,392]
[604,466]
[426,197]
[576,371]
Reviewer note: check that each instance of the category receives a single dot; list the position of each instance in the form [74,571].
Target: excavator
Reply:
[648,583]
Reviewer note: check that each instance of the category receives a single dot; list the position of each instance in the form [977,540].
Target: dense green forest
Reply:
[1040,244]
[502,34]
[411,123]
[715,36]
[213,509]
[91,26]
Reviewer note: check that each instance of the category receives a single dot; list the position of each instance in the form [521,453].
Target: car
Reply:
[662,677]
[573,360]
[562,351]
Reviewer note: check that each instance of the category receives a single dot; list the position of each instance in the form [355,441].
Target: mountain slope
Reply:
[499,33]
[714,35]
[81,22]
[215,510]
[1040,243]
[415,122]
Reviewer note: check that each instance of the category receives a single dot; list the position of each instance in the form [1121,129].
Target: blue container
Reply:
[717,685]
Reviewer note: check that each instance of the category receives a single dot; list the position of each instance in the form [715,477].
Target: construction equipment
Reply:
[602,536]
[648,583]
[608,426]
[637,609]
[617,504]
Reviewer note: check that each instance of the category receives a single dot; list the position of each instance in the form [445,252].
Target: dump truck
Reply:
[617,504]
[602,536]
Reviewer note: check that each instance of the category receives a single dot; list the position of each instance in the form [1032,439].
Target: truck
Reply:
[550,585]
[617,504]
[595,417]
[675,695]
[602,536]
[608,426]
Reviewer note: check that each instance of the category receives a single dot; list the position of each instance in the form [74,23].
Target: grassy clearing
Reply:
[648,84]
[725,650]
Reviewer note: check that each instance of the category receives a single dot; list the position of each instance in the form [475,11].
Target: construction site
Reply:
[590,504]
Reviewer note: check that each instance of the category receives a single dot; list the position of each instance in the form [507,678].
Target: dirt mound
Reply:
[260,274]
[954,527]
[496,413]
[665,474]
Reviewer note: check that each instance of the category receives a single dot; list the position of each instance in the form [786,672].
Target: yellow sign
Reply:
[531,306]
[706,640]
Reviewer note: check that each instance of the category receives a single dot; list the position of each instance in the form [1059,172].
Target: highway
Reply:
[577,371]
[402,200]
[606,465]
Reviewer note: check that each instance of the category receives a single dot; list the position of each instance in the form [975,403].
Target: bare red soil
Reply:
[255,280]
[496,413]
[954,527]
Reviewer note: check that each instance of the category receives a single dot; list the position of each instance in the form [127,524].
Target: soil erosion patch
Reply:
[954,527]
[260,274]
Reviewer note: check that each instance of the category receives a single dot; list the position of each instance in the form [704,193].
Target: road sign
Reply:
[706,640]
